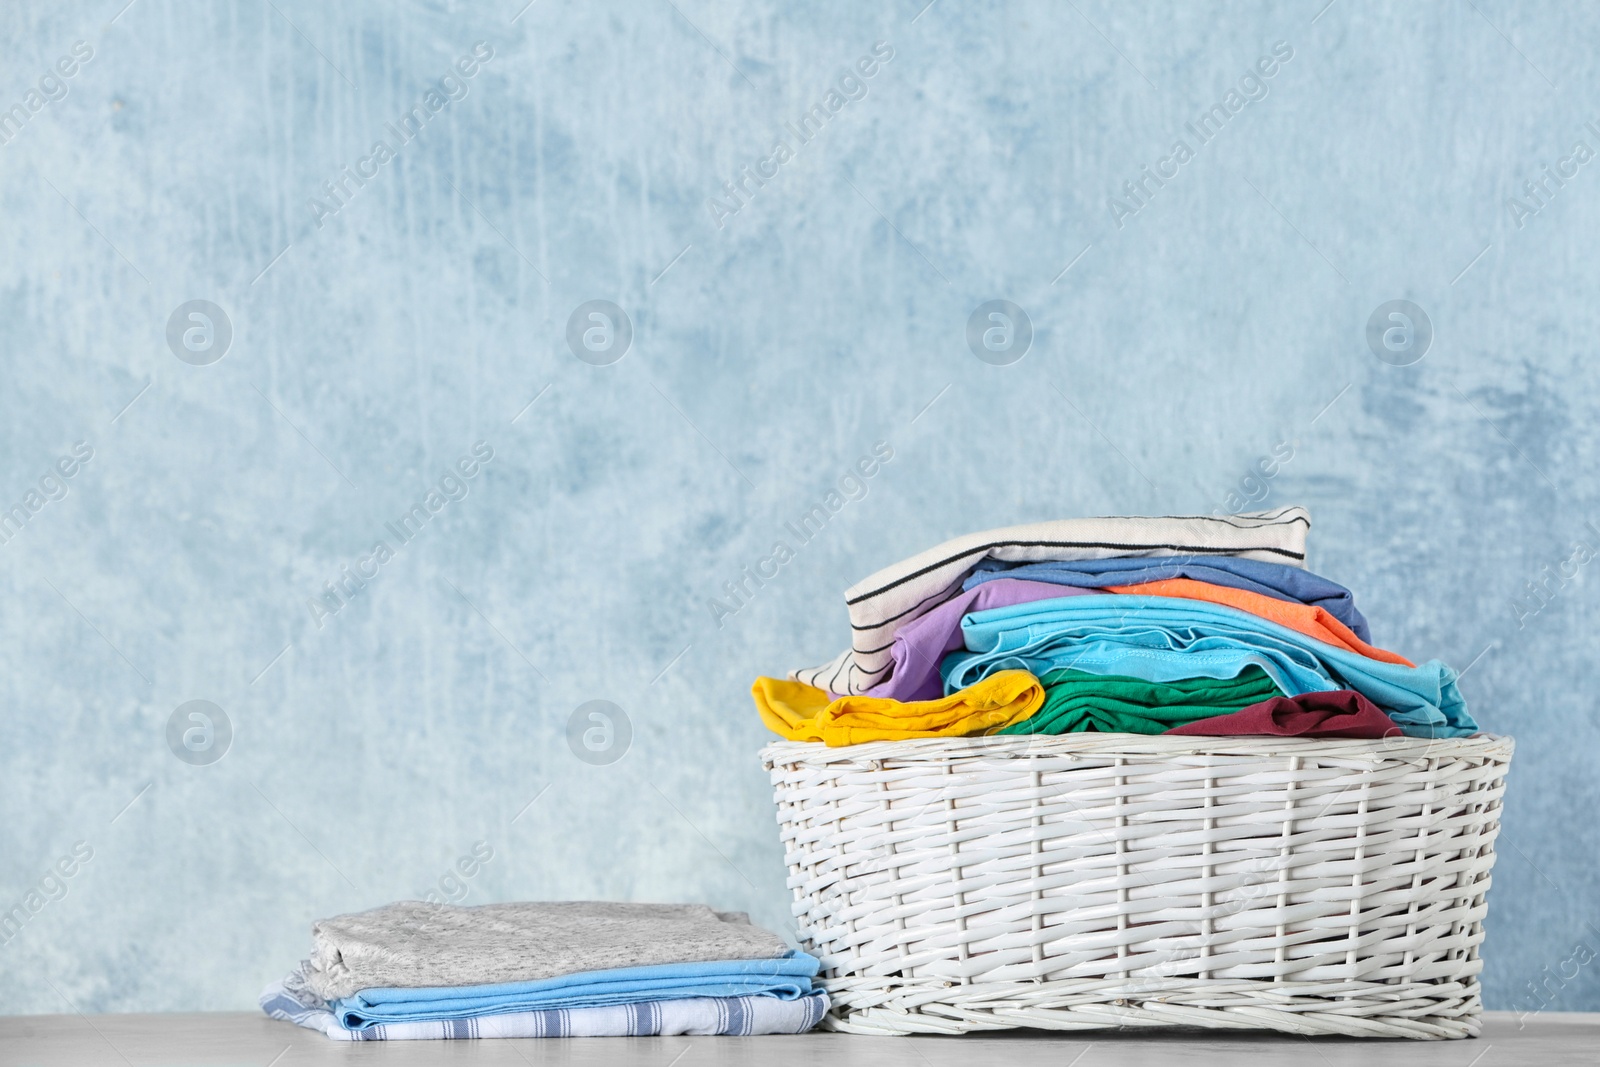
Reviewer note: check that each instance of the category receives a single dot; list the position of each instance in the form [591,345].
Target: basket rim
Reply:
[1024,747]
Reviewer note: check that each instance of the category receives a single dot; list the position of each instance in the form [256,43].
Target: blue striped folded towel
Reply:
[789,1006]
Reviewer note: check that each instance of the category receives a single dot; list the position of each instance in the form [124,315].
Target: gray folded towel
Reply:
[414,945]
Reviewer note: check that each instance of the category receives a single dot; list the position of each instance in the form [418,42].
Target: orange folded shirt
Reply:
[1306,618]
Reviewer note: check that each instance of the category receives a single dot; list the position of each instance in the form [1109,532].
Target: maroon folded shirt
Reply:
[1340,713]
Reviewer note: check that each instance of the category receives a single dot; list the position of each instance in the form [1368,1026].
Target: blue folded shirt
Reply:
[1276,580]
[786,977]
[1164,639]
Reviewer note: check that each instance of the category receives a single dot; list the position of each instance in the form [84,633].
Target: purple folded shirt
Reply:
[919,646]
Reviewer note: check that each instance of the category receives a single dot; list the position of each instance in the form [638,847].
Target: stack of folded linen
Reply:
[416,970]
[1199,625]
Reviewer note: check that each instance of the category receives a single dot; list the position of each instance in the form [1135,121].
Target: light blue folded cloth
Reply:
[1277,580]
[786,977]
[1164,639]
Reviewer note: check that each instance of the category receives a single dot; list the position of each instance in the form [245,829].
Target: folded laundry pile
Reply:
[1200,625]
[417,970]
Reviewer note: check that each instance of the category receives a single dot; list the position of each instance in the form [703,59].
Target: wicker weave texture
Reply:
[1107,880]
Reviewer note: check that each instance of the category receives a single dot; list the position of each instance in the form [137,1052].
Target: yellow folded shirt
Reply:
[801,712]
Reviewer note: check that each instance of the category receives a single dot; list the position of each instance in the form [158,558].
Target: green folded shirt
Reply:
[1077,701]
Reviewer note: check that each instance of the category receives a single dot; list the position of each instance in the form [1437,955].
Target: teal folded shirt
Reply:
[786,977]
[1166,639]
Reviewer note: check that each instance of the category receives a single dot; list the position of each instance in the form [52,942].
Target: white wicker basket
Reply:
[1113,880]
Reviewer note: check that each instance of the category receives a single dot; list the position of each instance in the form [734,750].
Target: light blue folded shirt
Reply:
[1276,580]
[786,977]
[1165,639]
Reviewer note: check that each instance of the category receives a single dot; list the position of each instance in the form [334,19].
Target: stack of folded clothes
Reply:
[1206,625]
[416,970]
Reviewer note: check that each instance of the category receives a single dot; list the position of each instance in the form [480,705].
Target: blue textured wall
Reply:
[378,336]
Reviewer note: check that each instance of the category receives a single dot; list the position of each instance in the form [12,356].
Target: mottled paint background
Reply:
[1225,317]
